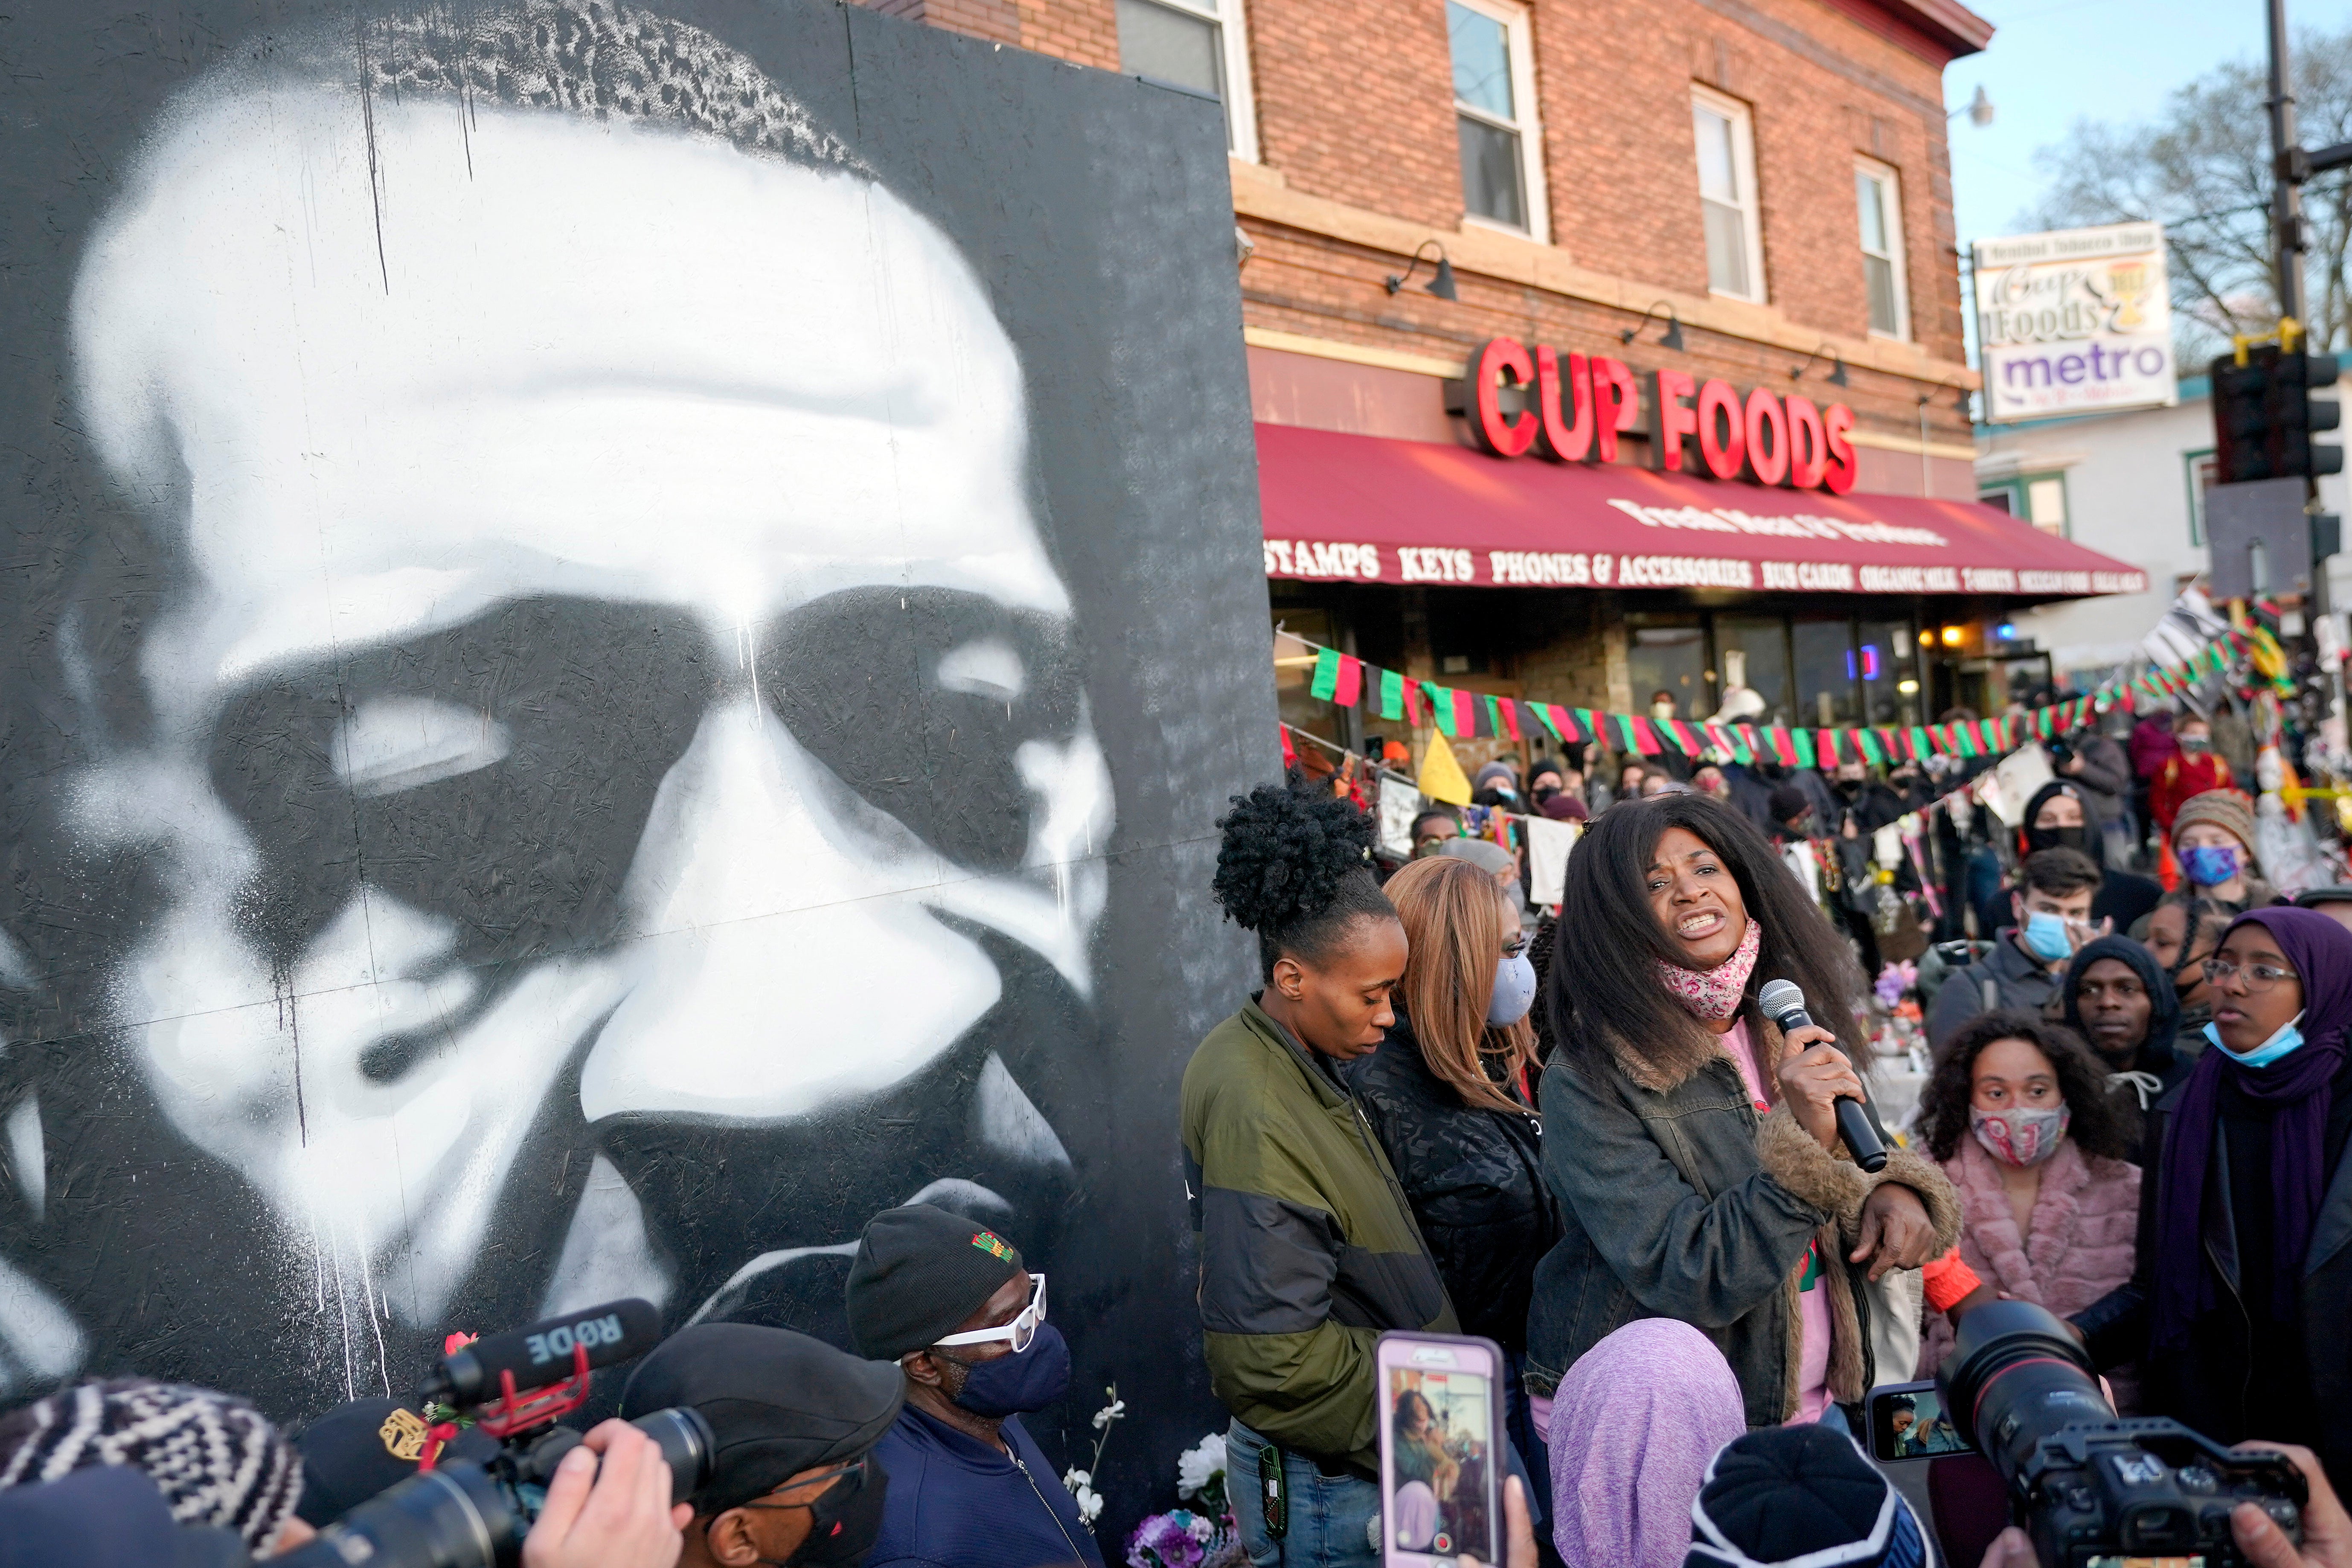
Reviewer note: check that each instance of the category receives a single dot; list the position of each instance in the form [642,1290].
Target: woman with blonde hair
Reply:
[1447,1093]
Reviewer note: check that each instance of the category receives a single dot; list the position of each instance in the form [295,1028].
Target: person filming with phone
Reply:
[1706,1178]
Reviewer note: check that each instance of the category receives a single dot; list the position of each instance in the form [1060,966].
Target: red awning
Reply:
[1368,509]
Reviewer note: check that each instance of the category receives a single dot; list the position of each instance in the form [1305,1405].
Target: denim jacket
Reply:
[1679,1200]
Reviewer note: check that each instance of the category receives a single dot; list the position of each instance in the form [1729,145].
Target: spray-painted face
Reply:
[617,643]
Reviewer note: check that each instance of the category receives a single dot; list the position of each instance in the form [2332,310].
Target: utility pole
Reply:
[2288,159]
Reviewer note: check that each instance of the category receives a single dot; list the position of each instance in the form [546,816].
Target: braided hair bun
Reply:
[1294,867]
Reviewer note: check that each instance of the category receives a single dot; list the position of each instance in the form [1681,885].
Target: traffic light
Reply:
[2265,415]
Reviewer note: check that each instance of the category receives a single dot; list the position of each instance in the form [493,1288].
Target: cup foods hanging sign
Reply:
[2076,321]
[1573,407]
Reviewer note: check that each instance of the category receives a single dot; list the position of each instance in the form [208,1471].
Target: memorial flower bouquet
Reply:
[1196,1537]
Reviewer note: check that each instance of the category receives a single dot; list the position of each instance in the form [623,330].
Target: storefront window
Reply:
[1670,658]
[1886,666]
[1293,674]
[1753,650]
[1825,666]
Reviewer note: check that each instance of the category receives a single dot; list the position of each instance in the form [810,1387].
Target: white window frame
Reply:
[1520,35]
[1890,196]
[1230,17]
[1743,157]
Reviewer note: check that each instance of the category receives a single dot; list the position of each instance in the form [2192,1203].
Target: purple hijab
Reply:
[1634,1424]
[2295,1088]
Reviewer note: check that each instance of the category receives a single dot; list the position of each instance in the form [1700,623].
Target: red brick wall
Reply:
[1354,103]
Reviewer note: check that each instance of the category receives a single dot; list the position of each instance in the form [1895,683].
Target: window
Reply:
[1726,193]
[2201,470]
[1495,115]
[2038,498]
[1197,44]
[1879,197]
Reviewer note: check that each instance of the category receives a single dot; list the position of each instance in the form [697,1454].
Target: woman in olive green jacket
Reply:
[1308,1248]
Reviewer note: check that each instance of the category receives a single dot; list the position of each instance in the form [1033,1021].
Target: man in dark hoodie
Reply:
[949,1300]
[2119,999]
[2060,814]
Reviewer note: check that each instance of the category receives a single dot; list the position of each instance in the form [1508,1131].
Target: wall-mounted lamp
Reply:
[1442,285]
[1672,338]
[1836,376]
[1955,636]
[1978,108]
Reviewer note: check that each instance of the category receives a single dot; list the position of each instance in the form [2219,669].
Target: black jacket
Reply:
[2238,1380]
[1475,1179]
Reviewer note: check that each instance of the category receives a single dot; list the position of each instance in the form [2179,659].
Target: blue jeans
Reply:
[1334,1519]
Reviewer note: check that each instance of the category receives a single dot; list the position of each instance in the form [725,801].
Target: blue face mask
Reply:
[1515,991]
[2045,936]
[1024,1380]
[2210,865]
[2289,1035]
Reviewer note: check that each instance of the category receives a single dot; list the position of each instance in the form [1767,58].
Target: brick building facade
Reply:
[1590,171]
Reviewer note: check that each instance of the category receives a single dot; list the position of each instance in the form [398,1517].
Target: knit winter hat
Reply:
[213,1457]
[2223,808]
[1800,1494]
[919,1271]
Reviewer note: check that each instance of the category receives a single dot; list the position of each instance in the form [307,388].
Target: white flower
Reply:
[1199,1529]
[1081,1490]
[1116,1410]
[1200,1464]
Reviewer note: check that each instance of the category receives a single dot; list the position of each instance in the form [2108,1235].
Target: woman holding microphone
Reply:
[1704,1179]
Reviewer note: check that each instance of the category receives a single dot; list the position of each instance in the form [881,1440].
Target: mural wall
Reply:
[625,627]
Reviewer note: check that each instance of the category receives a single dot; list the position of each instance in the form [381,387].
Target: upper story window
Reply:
[1495,114]
[1726,193]
[1879,198]
[1197,45]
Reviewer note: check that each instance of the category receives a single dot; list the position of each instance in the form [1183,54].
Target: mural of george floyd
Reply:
[626,624]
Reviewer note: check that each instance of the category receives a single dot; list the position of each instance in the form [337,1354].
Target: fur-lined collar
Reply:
[1671,1064]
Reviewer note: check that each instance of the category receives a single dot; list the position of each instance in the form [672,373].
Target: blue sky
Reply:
[2053,62]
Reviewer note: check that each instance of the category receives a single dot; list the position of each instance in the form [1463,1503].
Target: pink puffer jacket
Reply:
[2083,1241]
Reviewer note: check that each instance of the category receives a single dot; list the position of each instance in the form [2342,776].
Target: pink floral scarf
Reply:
[1715,993]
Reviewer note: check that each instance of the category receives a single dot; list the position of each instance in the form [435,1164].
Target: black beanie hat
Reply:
[920,1272]
[1790,1493]
[778,1403]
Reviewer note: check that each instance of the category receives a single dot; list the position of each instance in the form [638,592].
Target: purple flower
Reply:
[1180,1538]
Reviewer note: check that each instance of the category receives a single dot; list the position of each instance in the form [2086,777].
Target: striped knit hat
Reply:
[213,1457]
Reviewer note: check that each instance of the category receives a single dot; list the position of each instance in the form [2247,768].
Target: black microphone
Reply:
[1785,1006]
[543,1352]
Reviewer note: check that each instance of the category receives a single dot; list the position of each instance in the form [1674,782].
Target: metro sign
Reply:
[1576,417]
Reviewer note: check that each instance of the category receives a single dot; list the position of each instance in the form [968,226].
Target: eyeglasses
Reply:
[2258,976]
[1019,1332]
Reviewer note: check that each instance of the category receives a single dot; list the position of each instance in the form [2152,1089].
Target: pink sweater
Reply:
[2083,1237]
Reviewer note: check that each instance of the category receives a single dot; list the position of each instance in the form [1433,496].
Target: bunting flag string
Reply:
[1460,715]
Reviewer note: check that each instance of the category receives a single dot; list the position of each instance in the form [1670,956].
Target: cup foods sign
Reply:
[2074,322]
[1573,407]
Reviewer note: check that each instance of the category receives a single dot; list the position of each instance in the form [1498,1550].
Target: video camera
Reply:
[475,1516]
[2088,1486]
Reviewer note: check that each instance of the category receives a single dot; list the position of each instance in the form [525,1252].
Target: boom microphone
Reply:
[542,1352]
[1785,1006]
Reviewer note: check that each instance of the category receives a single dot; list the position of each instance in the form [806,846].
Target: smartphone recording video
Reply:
[1908,1422]
[1441,1448]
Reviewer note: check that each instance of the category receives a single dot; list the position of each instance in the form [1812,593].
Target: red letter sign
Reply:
[1504,435]
[1570,441]
[1767,437]
[1669,418]
[1809,448]
[1615,406]
[1836,420]
[1722,430]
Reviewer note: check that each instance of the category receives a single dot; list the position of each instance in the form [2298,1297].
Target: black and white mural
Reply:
[624,627]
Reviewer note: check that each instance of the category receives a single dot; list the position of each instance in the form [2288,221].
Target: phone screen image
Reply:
[1441,1466]
[1908,1422]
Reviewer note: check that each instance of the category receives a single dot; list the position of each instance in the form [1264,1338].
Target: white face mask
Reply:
[1661,709]
[1515,990]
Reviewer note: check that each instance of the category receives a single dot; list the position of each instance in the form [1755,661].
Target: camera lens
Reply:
[455,1517]
[2016,1376]
[685,1440]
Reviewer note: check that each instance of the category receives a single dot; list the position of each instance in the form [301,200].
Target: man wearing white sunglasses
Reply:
[948,1300]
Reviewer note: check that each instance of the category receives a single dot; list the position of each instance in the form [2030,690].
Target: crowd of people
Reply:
[1575,1132]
